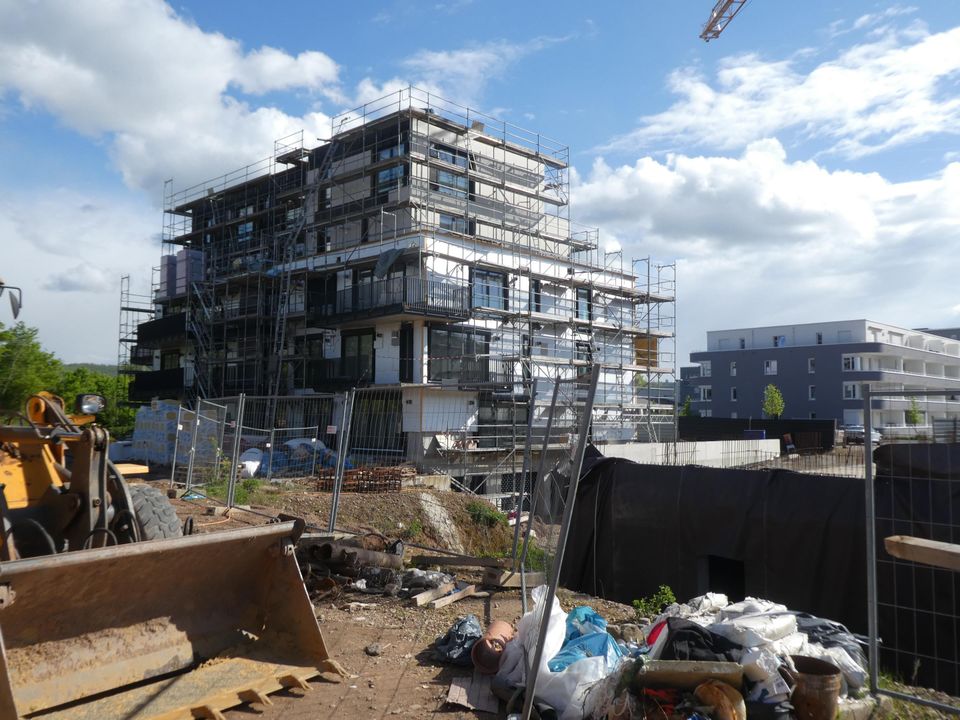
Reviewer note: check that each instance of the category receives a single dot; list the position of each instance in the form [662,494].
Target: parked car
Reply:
[855,434]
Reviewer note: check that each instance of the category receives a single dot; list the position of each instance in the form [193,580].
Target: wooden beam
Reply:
[428,595]
[928,552]
[510,579]
[459,560]
[452,598]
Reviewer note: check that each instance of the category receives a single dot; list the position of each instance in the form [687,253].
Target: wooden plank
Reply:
[928,552]
[481,694]
[132,469]
[510,579]
[428,595]
[473,693]
[452,598]
[459,560]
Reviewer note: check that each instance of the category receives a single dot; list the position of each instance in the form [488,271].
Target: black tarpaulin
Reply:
[386,261]
[789,537]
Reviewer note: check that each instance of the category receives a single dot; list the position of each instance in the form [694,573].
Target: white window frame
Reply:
[851,391]
[811,392]
[706,368]
[850,363]
[706,393]
[733,368]
[733,393]
[811,365]
[769,367]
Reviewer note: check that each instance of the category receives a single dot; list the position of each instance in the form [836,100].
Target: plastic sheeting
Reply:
[795,538]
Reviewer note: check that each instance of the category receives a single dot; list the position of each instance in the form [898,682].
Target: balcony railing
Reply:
[162,331]
[157,383]
[414,295]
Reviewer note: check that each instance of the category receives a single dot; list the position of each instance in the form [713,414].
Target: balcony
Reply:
[393,296]
[470,371]
[162,332]
[156,383]
[339,372]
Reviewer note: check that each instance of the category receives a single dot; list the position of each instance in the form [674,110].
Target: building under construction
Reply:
[425,249]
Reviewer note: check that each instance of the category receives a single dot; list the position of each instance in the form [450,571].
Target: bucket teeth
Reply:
[293,681]
[207,712]
[254,696]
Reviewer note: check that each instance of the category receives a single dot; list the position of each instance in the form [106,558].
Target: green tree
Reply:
[25,367]
[773,405]
[913,416]
[117,418]
[686,410]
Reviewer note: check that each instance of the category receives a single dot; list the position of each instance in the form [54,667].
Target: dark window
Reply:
[356,352]
[244,231]
[449,183]
[583,354]
[583,303]
[392,151]
[456,223]
[535,295]
[458,354]
[364,230]
[389,179]
[447,154]
[489,289]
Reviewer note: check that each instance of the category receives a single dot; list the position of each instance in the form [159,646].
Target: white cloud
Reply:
[873,96]
[462,75]
[67,250]
[160,90]
[761,239]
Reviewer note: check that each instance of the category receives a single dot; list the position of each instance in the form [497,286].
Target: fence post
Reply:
[343,446]
[272,451]
[869,503]
[193,445]
[176,447]
[235,456]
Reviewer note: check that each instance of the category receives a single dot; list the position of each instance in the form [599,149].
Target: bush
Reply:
[650,607]
[241,494]
[413,530]
[483,513]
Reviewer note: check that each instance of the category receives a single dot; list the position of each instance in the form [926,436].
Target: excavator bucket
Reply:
[179,628]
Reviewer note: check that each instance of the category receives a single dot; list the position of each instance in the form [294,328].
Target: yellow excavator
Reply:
[108,611]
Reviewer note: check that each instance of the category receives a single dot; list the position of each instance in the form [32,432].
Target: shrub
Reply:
[653,605]
[483,513]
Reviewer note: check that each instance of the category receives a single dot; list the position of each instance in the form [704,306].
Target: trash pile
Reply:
[706,659]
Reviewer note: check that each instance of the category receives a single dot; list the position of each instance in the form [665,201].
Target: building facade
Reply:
[425,249]
[820,369]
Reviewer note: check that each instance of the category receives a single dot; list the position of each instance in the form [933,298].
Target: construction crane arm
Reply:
[721,15]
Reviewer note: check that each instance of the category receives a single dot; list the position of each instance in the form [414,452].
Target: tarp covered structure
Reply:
[789,537]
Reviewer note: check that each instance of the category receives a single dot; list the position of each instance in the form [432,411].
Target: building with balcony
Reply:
[426,249]
[820,368]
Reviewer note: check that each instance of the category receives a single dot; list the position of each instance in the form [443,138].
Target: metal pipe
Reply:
[871,522]
[575,466]
[343,445]
[333,553]
[519,494]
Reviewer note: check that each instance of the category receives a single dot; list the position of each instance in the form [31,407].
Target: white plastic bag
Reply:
[565,690]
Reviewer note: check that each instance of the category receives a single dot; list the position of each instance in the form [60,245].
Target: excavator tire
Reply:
[155,515]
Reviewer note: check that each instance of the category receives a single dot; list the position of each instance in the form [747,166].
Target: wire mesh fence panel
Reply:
[198,450]
[913,530]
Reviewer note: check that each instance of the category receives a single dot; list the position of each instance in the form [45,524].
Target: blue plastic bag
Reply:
[598,644]
[584,620]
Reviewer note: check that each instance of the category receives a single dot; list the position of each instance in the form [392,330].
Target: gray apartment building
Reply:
[820,369]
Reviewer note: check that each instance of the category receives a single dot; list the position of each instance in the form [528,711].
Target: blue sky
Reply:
[803,167]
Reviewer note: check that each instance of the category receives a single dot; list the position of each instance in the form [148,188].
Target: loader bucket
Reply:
[163,629]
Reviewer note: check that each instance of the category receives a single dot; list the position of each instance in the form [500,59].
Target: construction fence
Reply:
[913,532]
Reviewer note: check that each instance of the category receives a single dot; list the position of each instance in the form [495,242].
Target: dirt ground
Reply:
[404,680]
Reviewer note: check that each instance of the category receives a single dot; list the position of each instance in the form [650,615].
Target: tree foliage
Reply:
[913,416]
[686,410]
[26,368]
[773,405]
